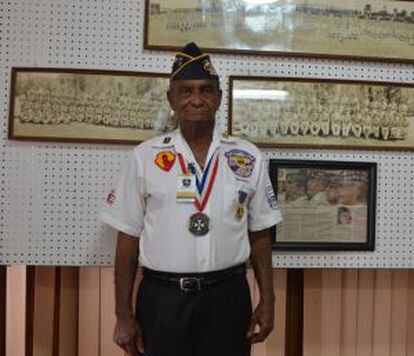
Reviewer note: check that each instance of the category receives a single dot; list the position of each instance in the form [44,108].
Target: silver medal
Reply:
[199,224]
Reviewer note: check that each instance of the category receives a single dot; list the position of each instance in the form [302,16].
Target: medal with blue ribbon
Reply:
[199,222]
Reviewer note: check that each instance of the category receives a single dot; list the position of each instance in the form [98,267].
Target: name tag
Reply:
[186,189]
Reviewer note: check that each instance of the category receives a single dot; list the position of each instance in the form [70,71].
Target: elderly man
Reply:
[193,206]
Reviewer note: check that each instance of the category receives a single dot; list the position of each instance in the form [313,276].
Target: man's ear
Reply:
[170,97]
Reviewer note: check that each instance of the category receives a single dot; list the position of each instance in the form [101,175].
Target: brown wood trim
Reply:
[294,313]
[30,299]
[382,147]
[56,312]
[16,70]
[3,284]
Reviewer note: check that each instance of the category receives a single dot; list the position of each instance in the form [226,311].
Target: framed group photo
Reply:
[316,113]
[381,29]
[77,105]
[325,205]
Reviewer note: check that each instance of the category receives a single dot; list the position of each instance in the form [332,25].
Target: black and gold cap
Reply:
[191,63]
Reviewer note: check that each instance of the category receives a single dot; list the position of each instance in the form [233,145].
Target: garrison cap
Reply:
[191,63]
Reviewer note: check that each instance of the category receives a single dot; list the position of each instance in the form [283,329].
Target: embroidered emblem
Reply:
[111,197]
[208,67]
[165,160]
[240,162]
[166,140]
[271,198]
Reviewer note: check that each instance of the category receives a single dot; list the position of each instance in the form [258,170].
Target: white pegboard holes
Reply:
[51,193]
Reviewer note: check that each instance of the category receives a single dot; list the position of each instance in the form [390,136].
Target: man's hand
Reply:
[263,316]
[128,336]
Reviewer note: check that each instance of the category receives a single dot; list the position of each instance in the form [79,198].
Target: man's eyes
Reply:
[203,91]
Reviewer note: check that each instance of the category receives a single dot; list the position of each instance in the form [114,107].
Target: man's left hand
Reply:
[263,316]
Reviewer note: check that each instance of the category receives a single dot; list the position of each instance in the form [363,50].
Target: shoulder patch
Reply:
[240,162]
[165,160]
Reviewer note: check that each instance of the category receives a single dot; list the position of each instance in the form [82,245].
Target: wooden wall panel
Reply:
[89,312]
[382,313]
[69,311]
[349,311]
[3,283]
[108,319]
[365,313]
[399,313]
[44,306]
[16,310]
[312,331]
[346,312]
[275,344]
[331,312]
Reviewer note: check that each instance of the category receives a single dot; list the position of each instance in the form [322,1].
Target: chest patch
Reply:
[240,162]
[165,160]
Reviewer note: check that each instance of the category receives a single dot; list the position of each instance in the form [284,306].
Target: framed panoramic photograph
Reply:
[315,113]
[325,205]
[379,29]
[49,104]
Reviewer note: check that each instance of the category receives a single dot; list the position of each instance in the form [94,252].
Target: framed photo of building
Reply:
[48,104]
[325,205]
[381,29]
[316,113]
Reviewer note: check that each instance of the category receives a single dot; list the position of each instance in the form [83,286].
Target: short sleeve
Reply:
[124,207]
[264,210]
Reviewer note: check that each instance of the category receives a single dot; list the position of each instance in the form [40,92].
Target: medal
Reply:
[199,224]
[240,208]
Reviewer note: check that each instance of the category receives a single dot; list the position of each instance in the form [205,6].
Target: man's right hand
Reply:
[128,336]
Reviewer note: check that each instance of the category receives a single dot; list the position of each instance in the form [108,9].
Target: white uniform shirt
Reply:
[144,205]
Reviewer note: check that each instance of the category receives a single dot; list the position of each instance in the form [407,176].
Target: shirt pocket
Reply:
[235,201]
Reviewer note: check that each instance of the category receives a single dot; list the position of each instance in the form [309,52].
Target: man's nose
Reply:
[196,99]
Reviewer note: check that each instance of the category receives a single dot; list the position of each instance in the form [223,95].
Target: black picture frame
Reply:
[326,205]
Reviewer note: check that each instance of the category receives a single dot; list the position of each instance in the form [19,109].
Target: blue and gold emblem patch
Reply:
[240,162]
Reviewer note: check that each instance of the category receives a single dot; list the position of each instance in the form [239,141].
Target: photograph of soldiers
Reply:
[323,205]
[89,106]
[323,113]
[371,28]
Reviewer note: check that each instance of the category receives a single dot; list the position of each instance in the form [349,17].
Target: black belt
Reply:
[195,282]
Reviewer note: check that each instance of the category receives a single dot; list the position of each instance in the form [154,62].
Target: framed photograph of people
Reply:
[49,104]
[315,113]
[367,30]
[325,205]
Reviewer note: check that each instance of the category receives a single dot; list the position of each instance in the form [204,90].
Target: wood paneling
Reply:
[3,274]
[312,295]
[294,313]
[16,311]
[365,316]
[89,338]
[70,312]
[349,312]
[44,307]
[331,312]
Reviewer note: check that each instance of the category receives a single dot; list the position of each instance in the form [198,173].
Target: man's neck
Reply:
[197,133]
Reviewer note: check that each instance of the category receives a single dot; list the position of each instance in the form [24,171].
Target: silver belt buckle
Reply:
[187,284]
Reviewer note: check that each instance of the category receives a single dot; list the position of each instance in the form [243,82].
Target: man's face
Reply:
[194,100]
[315,185]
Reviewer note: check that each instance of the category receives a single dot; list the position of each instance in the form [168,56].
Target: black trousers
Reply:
[212,322]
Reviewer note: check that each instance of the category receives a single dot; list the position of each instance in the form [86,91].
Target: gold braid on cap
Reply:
[192,59]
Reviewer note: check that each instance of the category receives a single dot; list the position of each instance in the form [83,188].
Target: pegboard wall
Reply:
[51,193]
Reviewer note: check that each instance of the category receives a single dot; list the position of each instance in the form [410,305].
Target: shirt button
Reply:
[205,260]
